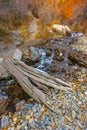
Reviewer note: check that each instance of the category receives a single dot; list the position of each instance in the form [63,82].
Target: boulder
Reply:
[35,54]
[61,29]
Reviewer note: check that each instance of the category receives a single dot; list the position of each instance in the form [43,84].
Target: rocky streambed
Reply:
[53,56]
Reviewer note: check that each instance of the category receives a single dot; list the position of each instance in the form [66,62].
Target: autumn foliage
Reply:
[16,11]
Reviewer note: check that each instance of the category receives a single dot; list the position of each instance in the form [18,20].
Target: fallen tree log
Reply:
[40,74]
[35,82]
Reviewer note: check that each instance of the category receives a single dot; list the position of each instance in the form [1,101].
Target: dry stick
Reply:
[53,85]
[42,73]
[35,74]
[39,72]
[27,86]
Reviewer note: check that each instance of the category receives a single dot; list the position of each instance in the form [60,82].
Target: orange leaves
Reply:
[63,7]
[67,10]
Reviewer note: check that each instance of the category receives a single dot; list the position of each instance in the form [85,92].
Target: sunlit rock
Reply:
[61,29]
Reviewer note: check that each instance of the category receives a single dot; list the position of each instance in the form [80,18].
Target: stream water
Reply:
[45,61]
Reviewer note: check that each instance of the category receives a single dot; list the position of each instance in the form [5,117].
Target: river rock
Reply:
[31,120]
[17,55]
[61,29]
[35,54]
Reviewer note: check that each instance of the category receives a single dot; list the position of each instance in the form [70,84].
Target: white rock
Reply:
[49,128]
[15,119]
[17,55]
[61,54]
[1,60]
[61,29]
[85,92]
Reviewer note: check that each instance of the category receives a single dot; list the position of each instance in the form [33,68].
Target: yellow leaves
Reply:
[53,125]
[55,22]
[25,33]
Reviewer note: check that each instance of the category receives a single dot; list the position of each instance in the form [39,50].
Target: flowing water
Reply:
[45,61]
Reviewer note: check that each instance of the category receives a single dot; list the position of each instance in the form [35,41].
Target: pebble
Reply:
[31,120]
[32,113]
[19,127]
[32,125]
[26,106]
[34,110]
[85,92]
[15,119]
[11,128]
[49,128]
[20,103]
[79,124]
[39,124]
[79,103]
[73,114]
[28,117]
[4,121]
[37,116]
